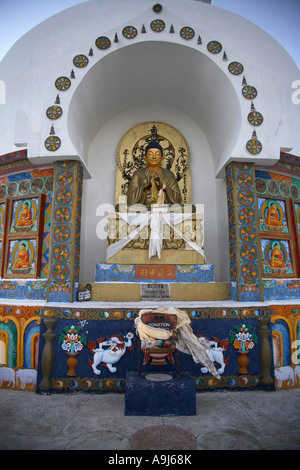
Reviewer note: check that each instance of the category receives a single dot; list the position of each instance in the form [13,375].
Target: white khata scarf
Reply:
[185,340]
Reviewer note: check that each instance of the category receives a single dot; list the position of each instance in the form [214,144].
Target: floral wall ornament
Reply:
[54,112]
[214,47]
[236,68]
[52,143]
[249,92]
[187,32]
[62,83]
[103,42]
[80,60]
[244,341]
[253,145]
[157,25]
[72,342]
[129,32]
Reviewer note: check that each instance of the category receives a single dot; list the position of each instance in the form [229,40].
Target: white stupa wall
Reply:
[155,76]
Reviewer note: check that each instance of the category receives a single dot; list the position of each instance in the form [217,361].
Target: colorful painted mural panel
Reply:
[161,273]
[22,258]
[276,255]
[285,326]
[272,215]
[19,346]
[24,215]
[92,350]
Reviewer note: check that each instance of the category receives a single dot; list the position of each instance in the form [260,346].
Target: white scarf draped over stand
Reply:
[185,340]
[156,219]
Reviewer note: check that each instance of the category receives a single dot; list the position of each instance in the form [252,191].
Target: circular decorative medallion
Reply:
[37,185]
[2,191]
[248,252]
[233,273]
[63,196]
[61,252]
[249,92]
[80,61]
[254,146]
[255,118]
[24,187]
[232,253]
[54,112]
[249,271]
[129,32]
[52,143]
[246,215]
[49,183]
[214,47]
[284,189]
[63,214]
[12,189]
[260,185]
[65,178]
[67,164]
[245,197]
[243,166]
[60,272]
[62,83]
[273,187]
[187,32]
[103,42]
[232,236]
[247,233]
[157,25]
[294,192]
[235,68]
[62,233]
[244,179]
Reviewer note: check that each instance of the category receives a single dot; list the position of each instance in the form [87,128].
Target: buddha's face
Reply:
[153,158]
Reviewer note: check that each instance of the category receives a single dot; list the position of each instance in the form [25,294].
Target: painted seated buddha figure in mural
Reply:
[273,216]
[146,183]
[22,258]
[25,219]
[277,260]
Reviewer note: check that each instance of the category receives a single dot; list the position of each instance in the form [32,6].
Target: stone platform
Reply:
[131,291]
[134,282]
[147,397]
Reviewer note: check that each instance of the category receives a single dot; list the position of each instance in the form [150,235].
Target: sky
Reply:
[279,18]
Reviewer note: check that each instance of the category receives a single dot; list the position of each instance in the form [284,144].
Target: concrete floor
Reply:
[253,420]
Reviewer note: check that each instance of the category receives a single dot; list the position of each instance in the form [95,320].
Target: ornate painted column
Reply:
[245,265]
[47,360]
[265,353]
[65,231]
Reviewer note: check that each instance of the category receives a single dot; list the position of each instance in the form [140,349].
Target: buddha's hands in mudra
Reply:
[147,182]
[158,181]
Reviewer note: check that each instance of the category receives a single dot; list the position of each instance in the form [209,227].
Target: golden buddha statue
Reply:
[146,183]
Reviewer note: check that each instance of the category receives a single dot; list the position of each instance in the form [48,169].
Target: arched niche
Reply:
[148,73]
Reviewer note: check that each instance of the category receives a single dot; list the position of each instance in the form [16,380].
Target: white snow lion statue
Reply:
[107,357]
